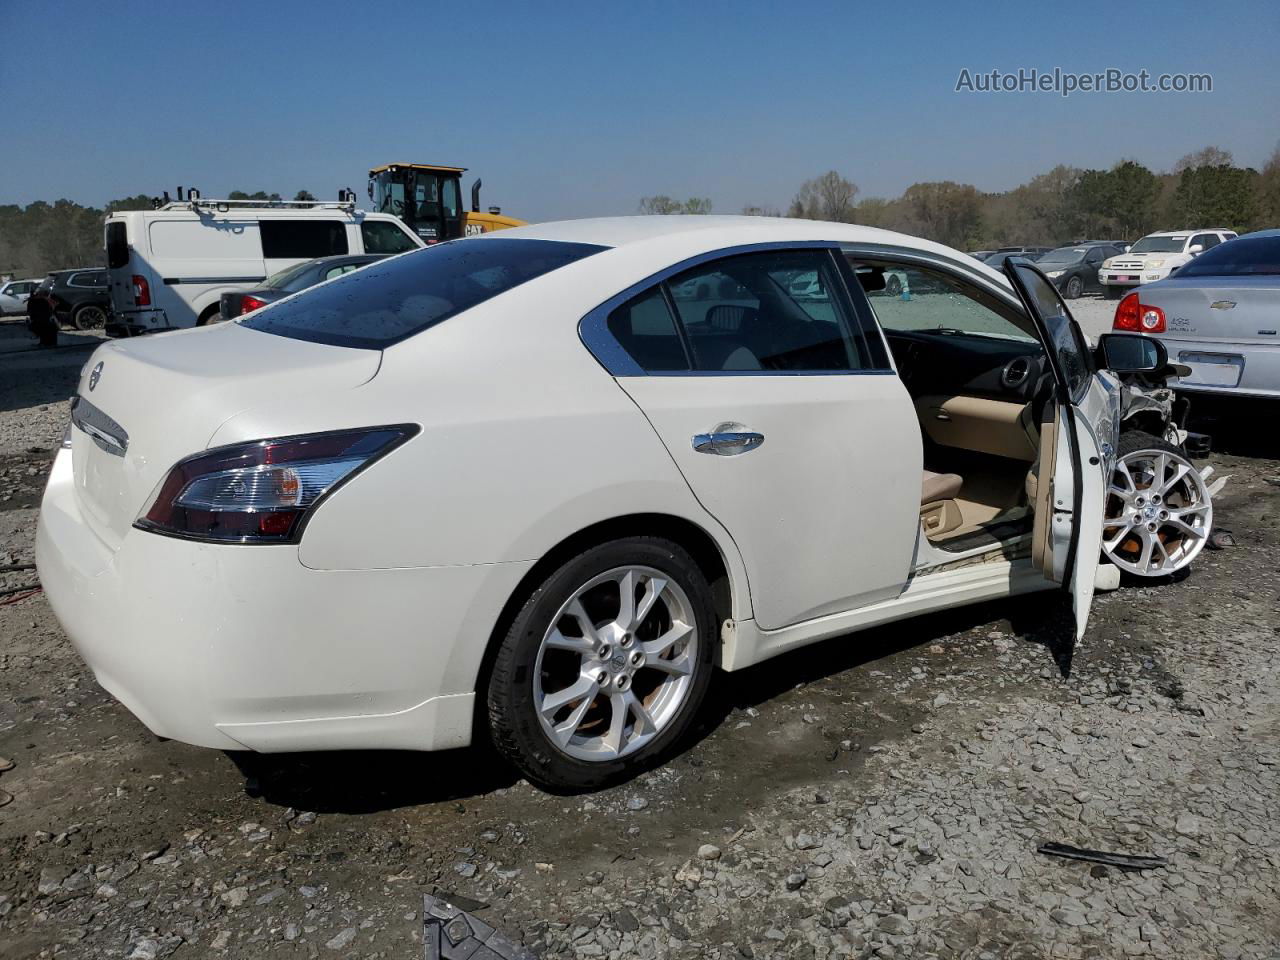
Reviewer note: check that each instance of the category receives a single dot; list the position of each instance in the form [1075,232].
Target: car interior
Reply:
[978,378]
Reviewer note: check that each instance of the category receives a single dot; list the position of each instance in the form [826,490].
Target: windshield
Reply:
[394,299]
[1160,244]
[1246,257]
[281,280]
[1064,255]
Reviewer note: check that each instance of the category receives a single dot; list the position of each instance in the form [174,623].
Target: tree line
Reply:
[1065,205]
[46,236]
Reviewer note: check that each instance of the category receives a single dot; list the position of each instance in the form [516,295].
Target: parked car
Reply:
[1156,256]
[1029,252]
[996,260]
[13,296]
[980,254]
[1074,270]
[170,266]
[512,477]
[70,297]
[1219,316]
[290,281]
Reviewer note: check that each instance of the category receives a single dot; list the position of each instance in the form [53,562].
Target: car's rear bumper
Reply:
[238,647]
[1223,367]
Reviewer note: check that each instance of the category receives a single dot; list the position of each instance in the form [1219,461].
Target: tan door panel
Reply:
[976,423]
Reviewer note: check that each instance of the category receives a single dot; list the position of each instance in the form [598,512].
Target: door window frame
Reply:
[593,329]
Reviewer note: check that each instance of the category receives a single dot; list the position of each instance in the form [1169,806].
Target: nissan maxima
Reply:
[541,486]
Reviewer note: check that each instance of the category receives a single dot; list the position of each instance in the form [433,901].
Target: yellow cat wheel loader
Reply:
[428,198]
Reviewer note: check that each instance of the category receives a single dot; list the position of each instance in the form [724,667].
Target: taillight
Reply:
[141,291]
[249,304]
[261,492]
[1137,317]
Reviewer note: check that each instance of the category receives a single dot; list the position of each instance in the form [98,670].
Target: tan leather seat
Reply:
[939,512]
[940,486]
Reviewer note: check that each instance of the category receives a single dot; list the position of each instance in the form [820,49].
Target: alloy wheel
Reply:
[616,665]
[1158,515]
[90,318]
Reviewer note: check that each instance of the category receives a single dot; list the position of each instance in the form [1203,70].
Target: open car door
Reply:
[1077,444]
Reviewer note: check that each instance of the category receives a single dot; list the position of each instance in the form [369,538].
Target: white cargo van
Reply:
[168,267]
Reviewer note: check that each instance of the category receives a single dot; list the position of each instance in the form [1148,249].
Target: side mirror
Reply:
[1195,249]
[1132,353]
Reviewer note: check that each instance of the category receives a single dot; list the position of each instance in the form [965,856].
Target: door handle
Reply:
[728,440]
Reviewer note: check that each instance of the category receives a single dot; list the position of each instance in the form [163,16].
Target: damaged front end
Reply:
[1159,511]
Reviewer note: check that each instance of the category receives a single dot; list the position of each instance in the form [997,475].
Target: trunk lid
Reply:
[1223,309]
[145,403]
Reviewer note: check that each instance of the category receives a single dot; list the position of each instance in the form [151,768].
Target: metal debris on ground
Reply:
[1220,539]
[1124,861]
[451,933]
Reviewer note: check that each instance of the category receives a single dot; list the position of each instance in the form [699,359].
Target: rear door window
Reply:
[646,329]
[302,239]
[782,311]
[397,298]
[117,245]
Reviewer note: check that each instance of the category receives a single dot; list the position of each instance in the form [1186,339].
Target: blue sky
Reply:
[577,109]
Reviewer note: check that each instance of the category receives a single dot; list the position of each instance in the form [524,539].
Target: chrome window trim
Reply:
[593,329]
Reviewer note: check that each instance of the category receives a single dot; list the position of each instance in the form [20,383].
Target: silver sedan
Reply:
[1219,315]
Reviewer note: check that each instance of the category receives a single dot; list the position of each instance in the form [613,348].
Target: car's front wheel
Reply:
[1075,287]
[604,667]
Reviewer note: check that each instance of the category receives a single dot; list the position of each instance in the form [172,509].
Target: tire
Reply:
[1111,293]
[893,286]
[211,315]
[1073,289]
[530,691]
[1176,521]
[89,316]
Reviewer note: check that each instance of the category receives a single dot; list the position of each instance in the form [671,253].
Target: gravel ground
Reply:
[882,795]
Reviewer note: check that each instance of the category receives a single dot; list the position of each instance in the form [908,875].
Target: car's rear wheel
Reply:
[89,316]
[1074,287]
[604,667]
[1159,515]
[211,315]
[893,286]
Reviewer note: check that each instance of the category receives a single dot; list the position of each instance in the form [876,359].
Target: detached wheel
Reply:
[90,316]
[605,666]
[1073,289]
[1159,515]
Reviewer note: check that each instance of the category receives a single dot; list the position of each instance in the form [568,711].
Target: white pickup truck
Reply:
[1156,256]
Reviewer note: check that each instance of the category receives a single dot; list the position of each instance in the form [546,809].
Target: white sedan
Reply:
[514,486]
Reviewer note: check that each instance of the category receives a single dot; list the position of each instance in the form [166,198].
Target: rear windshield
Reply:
[1246,257]
[389,301]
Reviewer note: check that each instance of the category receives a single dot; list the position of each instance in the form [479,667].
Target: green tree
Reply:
[1218,196]
[1133,190]
[1267,194]
[945,211]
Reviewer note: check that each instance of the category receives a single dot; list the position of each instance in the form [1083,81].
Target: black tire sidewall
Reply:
[514,724]
[80,324]
[1073,288]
